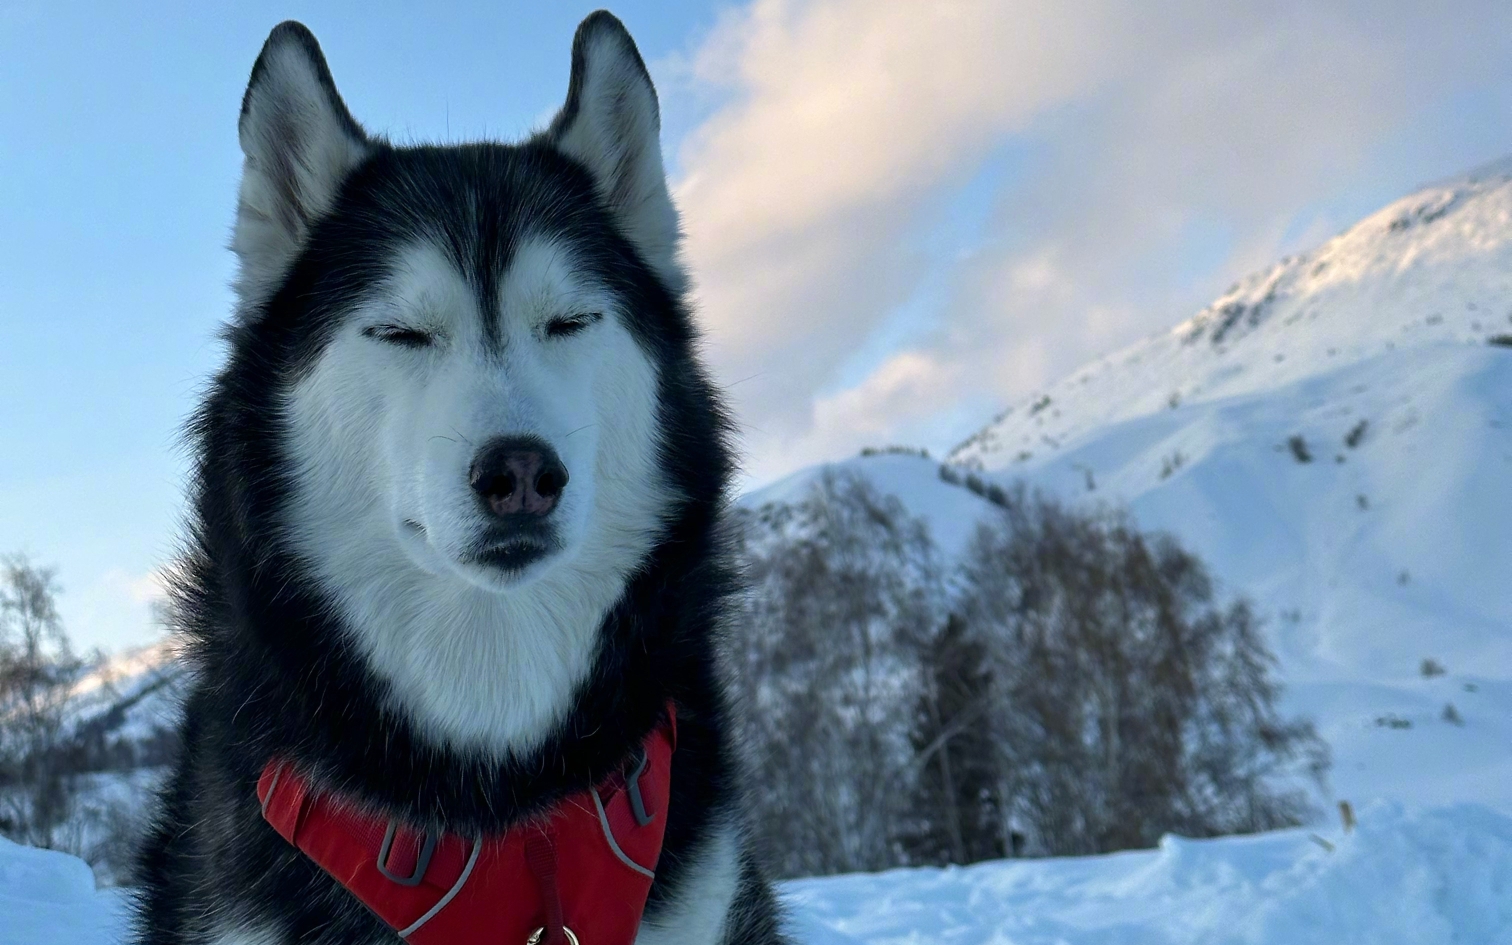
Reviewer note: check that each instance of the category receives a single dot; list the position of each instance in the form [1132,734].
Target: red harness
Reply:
[581,871]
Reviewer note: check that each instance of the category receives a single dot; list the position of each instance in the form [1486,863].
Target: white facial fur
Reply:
[381,435]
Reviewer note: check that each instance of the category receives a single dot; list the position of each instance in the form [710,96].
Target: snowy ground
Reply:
[49,898]
[1423,878]
[1410,877]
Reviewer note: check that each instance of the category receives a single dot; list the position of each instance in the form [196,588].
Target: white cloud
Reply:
[845,123]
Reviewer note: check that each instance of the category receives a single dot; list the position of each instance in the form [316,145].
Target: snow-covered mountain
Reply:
[1334,437]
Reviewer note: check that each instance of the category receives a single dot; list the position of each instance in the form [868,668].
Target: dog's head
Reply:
[472,337]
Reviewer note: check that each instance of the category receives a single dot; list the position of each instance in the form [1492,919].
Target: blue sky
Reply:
[898,219]
[118,171]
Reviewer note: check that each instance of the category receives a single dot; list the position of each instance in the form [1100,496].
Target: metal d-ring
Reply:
[539,936]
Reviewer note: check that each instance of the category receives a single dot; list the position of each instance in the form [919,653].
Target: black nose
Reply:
[518,475]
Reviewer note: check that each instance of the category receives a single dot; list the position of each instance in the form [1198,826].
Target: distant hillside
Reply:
[1334,437]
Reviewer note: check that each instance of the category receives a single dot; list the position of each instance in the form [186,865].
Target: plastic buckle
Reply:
[632,781]
[427,849]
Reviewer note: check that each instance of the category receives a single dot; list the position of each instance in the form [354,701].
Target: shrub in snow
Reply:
[956,815]
[895,450]
[1356,434]
[70,780]
[1299,450]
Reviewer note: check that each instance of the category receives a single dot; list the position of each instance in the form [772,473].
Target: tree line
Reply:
[52,750]
[1072,686]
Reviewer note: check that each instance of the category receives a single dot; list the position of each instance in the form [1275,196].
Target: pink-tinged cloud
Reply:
[845,124]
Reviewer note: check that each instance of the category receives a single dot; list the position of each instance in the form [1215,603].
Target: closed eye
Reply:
[570,324]
[400,335]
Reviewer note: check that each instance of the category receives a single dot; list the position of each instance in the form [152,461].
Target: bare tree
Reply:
[1088,691]
[956,813]
[38,670]
[1130,702]
[843,585]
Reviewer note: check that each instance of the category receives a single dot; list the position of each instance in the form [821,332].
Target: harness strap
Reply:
[540,856]
[589,860]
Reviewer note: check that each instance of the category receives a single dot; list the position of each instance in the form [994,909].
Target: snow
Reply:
[951,512]
[49,898]
[1411,877]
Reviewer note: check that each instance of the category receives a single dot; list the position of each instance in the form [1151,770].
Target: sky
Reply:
[899,217]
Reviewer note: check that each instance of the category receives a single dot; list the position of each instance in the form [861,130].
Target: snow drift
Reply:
[49,898]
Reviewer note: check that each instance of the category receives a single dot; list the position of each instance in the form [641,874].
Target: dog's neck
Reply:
[474,670]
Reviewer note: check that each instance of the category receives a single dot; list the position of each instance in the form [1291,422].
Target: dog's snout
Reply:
[518,475]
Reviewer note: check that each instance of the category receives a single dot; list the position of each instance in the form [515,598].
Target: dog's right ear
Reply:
[611,124]
[300,142]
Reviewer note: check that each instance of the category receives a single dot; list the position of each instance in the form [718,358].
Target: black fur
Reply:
[272,675]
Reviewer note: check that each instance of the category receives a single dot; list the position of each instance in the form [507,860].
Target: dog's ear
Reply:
[300,142]
[611,125]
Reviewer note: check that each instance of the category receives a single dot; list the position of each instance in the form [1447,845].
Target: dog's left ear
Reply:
[612,126]
[300,144]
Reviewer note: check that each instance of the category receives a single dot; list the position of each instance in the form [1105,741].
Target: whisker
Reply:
[744,379]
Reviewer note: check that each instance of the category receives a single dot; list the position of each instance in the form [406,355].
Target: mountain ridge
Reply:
[1333,437]
[1394,279]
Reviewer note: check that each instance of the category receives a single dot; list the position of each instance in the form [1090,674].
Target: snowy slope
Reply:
[132,693]
[1391,543]
[1432,268]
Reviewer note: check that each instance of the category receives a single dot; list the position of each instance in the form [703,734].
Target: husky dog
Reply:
[455,543]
